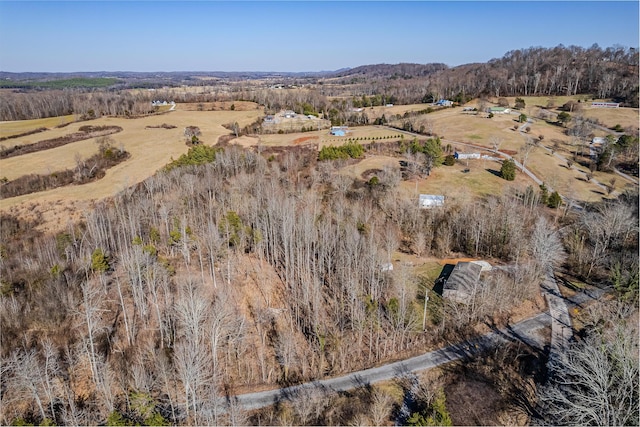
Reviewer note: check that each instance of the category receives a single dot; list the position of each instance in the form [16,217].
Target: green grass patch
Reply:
[430,270]
[474,136]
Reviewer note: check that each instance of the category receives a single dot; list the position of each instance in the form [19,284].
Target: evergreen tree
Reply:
[508,170]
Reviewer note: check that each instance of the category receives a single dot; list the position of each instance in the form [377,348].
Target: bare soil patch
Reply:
[304,139]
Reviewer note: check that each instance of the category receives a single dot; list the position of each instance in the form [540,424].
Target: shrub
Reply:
[572,106]
[508,170]
[99,261]
[554,200]
[197,155]
[450,160]
[349,150]
[564,117]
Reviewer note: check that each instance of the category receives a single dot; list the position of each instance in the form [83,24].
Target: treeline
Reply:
[601,72]
[85,104]
[77,82]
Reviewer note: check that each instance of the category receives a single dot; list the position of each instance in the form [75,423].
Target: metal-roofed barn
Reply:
[461,284]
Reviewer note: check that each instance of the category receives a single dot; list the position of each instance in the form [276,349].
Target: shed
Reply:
[462,282]
[463,156]
[427,201]
[499,110]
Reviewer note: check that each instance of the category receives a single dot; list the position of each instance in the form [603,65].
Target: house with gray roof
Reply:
[462,283]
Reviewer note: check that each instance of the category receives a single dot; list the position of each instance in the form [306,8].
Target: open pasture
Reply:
[150,149]
[363,134]
[375,112]
[19,127]
[482,179]
[358,169]
[609,117]
[453,124]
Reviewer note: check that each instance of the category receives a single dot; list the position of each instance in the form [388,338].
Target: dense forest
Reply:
[255,269]
[602,73]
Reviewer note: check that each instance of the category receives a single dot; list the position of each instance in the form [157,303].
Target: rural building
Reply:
[605,104]
[598,140]
[386,267]
[288,114]
[428,201]
[444,103]
[464,156]
[338,130]
[462,282]
[499,110]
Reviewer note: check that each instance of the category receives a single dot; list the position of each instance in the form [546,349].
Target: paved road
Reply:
[526,331]
[561,329]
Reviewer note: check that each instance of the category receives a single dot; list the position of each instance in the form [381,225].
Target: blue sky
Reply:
[73,36]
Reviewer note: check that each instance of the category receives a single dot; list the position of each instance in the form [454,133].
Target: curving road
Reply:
[526,331]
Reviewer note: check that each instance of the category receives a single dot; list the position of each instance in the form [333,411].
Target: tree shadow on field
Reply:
[494,172]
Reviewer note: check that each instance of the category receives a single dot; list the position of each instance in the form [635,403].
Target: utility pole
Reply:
[424,315]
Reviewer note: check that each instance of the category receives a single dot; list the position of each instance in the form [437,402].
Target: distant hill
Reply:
[402,70]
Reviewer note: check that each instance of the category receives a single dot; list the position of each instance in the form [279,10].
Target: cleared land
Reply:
[363,134]
[18,127]
[150,150]
[456,126]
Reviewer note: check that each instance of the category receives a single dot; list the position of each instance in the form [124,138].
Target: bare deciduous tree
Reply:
[595,383]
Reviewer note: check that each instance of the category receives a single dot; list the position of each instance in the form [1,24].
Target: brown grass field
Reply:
[454,125]
[150,149]
[322,137]
[17,127]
